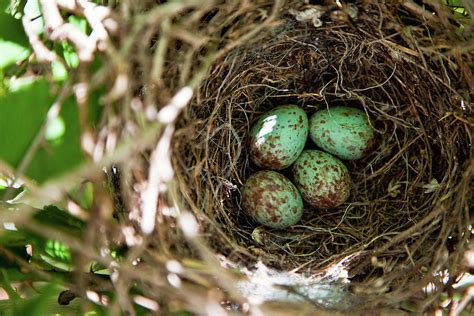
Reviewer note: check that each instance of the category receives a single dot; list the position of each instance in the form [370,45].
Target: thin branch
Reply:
[43,54]
[99,17]
[57,29]
[418,10]
[161,170]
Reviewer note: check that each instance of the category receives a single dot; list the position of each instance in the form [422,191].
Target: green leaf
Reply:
[14,239]
[11,29]
[6,285]
[57,255]
[55,131]
[79,22]
[50,307]
[451,2]
[22,114]
[11,53]
[53,159]
[17,275]
[46,253]
[59,219]
[20,83]
[40,304]
[69,54]
[59,71]
[67,50]
[13,40]
[22,4]
[53,252]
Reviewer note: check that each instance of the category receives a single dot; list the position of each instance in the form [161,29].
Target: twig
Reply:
[43,54]
[57,29]
[160,53]
[99,17]
[51,191]
[466,299]
[418,10]
[164,10]
[161,170]
[81,91]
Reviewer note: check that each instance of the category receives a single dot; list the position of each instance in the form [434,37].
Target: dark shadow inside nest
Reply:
[415,161]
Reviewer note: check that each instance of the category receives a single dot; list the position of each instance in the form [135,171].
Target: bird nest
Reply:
[406,223]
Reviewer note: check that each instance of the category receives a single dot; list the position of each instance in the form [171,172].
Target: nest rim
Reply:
[408,160]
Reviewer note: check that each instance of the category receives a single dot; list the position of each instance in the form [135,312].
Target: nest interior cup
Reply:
[407,195]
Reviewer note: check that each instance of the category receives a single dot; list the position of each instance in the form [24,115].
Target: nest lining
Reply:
[405,201]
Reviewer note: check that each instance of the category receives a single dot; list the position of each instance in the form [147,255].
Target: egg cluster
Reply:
[277,141]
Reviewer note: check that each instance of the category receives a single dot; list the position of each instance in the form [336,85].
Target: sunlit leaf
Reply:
[58,250]
[22,114]
[59,71]
[79,22]
[68,51]
[55,131]
[69,54]
[11,53]
[13,40]
[43,252]
[21,83]
[57,255]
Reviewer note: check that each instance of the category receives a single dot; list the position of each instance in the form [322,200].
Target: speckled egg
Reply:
[272,200]
[322,179]
[342,131]
[278,137]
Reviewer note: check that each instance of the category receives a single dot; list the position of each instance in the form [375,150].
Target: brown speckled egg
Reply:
[322,179]
[342,131]
[272,200]
[278,137]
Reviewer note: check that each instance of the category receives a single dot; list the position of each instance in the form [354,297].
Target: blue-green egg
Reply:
[271,199]
[278,137]
[323,180]
[342,131]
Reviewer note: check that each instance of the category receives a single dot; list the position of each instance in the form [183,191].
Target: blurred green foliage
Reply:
[13,40]
[456,5]
[22,113]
